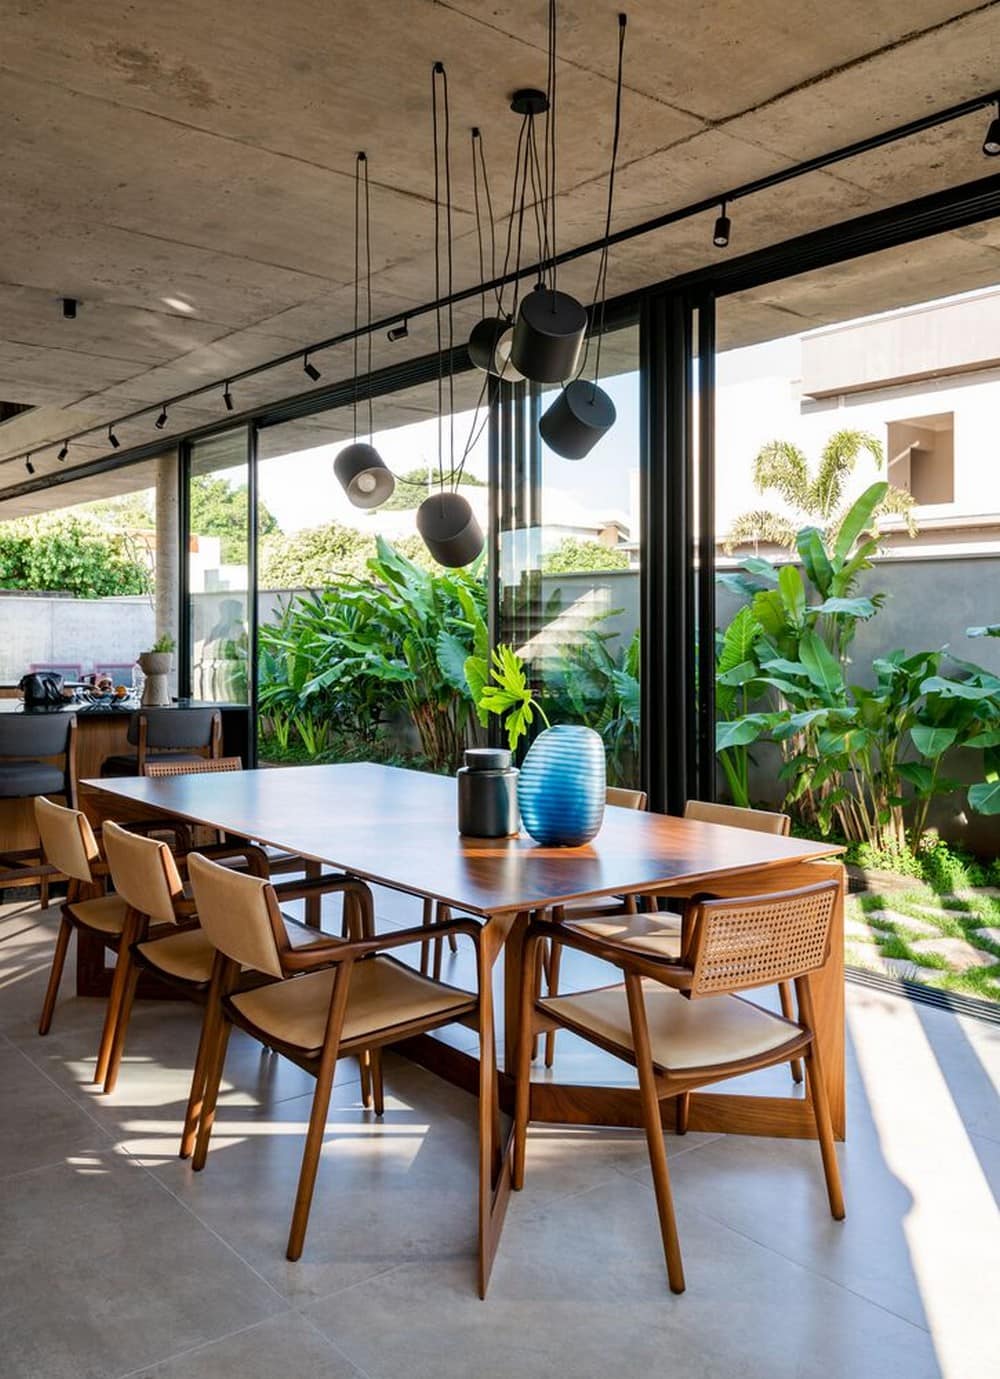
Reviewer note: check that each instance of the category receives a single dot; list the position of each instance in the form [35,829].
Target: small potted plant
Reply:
[562,783]
[156,665]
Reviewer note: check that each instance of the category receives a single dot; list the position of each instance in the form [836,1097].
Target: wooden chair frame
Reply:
[657,1083]
[26,865]
[212,753]
[221,1015]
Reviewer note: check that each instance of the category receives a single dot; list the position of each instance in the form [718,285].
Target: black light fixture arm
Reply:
[513,275]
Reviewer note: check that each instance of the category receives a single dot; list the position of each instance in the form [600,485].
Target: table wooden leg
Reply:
[314,903]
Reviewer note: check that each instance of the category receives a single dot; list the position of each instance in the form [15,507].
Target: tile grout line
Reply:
[194,1349]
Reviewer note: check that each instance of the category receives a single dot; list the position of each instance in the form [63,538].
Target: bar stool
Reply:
[28,742]
[174,734]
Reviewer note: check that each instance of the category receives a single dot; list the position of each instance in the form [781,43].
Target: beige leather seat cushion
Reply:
[659,933]
[383,994]
[189,954]
[106,913]
[684,1034]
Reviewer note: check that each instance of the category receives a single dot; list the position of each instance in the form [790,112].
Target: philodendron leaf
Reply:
[793,593]
[985,797]
[855,608]
[821,665]
[932,741]
[741,732]
[857,520]
[476,674]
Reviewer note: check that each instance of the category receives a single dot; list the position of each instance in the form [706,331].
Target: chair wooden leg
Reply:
[193,1113]
[816,1087]
[788,1011]
[121,1026]
[522,1088]
[443,915]
[378,1090]
[683,1112]
[55,976]
[215,1062]
[364,1062]
[129,930]
[43,892]
[555,959]
[654,1132]
[318,1114]
[452,943]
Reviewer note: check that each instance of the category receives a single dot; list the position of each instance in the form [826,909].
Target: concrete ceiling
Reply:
[186,170]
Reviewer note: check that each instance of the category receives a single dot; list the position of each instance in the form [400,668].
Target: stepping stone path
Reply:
[977,893]
[957,952]
[856,928]
[936,912]
[992,934]
[917,926]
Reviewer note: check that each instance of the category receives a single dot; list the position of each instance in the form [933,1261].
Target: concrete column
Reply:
[168,552]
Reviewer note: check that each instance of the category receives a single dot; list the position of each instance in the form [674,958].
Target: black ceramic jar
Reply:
[487,794]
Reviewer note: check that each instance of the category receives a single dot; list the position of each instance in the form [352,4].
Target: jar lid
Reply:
[487,758]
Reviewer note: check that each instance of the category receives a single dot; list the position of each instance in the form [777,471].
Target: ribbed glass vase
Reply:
[561,788]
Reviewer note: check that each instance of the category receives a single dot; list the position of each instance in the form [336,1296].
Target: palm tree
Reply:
[781,468]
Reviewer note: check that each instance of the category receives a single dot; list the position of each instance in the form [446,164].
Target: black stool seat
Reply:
[128,765]
[19,780]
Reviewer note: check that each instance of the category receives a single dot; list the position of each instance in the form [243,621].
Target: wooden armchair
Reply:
[657,1021]
[327,1000]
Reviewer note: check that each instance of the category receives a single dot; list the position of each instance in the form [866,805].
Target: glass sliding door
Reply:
[219,568]
[569,560]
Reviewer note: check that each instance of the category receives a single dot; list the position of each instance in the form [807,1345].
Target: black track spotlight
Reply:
[161,420]
[991,144]
[69,305]
[398,332]
[113,440]
[310,368]
[28,465]
[227,398]
[720,235]
[63,451]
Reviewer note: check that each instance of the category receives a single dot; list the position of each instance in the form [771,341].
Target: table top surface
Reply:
[398,828]
[122,708]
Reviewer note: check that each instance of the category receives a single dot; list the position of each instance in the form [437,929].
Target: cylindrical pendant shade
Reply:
[548,336]
[449,528]
[490,345]
[363,475]
[576,421]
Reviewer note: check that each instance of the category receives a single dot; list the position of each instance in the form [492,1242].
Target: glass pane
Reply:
[362,636]
[218,573]
[570,567]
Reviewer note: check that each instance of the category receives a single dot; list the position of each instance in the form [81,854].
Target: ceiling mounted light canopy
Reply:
[359,468]
[445,520]
[583,412]
[991,144]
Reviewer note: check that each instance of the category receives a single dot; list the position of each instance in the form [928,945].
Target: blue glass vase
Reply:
[561,788]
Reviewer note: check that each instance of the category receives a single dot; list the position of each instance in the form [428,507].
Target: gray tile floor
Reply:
[116,1260]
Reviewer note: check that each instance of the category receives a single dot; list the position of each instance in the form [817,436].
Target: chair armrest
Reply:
[255,857]
[669,971]
[319,885]
[339,950]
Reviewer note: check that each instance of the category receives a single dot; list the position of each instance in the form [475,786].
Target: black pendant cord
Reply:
[479,221]
[538,199]
[451,276]
[438,67]
[489,211]
[514,199]
[601,281]
[368,292]
[550,151]
[357,289]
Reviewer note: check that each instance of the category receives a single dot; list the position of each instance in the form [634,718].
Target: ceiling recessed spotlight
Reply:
[720,235]
[64,450]
[178,304]
[161,420]
[112,438]
[991,144]
[310,368]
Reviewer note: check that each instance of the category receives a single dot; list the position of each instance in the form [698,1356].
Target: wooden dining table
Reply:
[398,828]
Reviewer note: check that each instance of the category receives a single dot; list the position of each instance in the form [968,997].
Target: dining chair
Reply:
[162,930]
[37,757]
[170,734]
[330,999]
[660,930]
[681,1024]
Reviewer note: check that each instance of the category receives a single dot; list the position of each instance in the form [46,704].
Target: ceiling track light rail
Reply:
[934,120]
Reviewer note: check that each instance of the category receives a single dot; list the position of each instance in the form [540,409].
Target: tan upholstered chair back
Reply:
[67,839]
[237,913]
[761,820]
[193,768]
[738,944]
[625,799]
[144,873]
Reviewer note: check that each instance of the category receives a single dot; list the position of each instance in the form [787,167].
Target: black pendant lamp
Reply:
[491,338]
[445,520]
[359,468]
[551,325]
[583,412]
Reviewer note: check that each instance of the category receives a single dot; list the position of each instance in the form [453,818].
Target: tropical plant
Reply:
[594,684]
[781,468]
[317,556]
[736,728]
[500,686]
